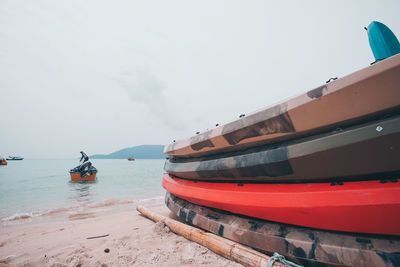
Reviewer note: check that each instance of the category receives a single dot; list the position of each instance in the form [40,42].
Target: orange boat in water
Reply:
[84,172]
[76,176]
[131,159]
[3,161]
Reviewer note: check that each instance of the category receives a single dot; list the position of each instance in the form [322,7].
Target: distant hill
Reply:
[137,152]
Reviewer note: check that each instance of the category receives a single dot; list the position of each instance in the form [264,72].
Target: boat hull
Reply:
[369,207]
[366,150]
[301,243]
[358,97]
[3,162]
[76,177]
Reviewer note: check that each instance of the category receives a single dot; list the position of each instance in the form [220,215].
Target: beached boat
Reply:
[371,207]
[356,152]
[359,97]
[14,158]
[296,243]
[314,178]
[76,175]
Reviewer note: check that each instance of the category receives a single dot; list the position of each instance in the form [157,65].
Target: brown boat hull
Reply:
[76,177]
[305,244]
[352,153]
[358,97]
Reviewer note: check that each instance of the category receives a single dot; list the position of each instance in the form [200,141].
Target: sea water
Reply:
[37,186]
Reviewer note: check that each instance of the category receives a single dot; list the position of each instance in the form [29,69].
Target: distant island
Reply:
[137,152]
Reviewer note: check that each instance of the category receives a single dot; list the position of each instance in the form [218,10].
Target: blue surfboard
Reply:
[382,40]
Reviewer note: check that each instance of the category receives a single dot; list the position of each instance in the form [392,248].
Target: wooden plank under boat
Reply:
[361,96]
[308,245]
[371,207]
[369,149]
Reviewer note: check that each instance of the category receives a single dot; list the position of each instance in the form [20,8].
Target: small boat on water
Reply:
[14,158]
[131,159]
[85,171]
[3,161]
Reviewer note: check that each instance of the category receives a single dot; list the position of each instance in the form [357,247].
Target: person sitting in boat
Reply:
[84,168]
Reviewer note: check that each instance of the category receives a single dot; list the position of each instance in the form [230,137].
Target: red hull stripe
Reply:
[364,207]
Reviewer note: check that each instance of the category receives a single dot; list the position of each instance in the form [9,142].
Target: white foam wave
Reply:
[105,205]
[18,216]
[30,215]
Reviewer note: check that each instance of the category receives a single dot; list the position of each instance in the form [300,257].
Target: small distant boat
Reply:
[3,161]
[14,158]
[131,159]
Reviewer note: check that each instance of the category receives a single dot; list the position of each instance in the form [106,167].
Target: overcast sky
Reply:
[99,76]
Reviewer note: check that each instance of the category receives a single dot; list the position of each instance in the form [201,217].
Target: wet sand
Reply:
[105,234]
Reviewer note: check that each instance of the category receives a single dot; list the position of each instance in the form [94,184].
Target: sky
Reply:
[100,76]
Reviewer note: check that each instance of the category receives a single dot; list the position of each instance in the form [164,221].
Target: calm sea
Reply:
[34,186]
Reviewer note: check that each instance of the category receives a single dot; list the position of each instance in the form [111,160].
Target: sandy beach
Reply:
[105,234]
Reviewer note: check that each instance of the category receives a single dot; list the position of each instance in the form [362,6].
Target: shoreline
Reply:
[61,239]
[63,212]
